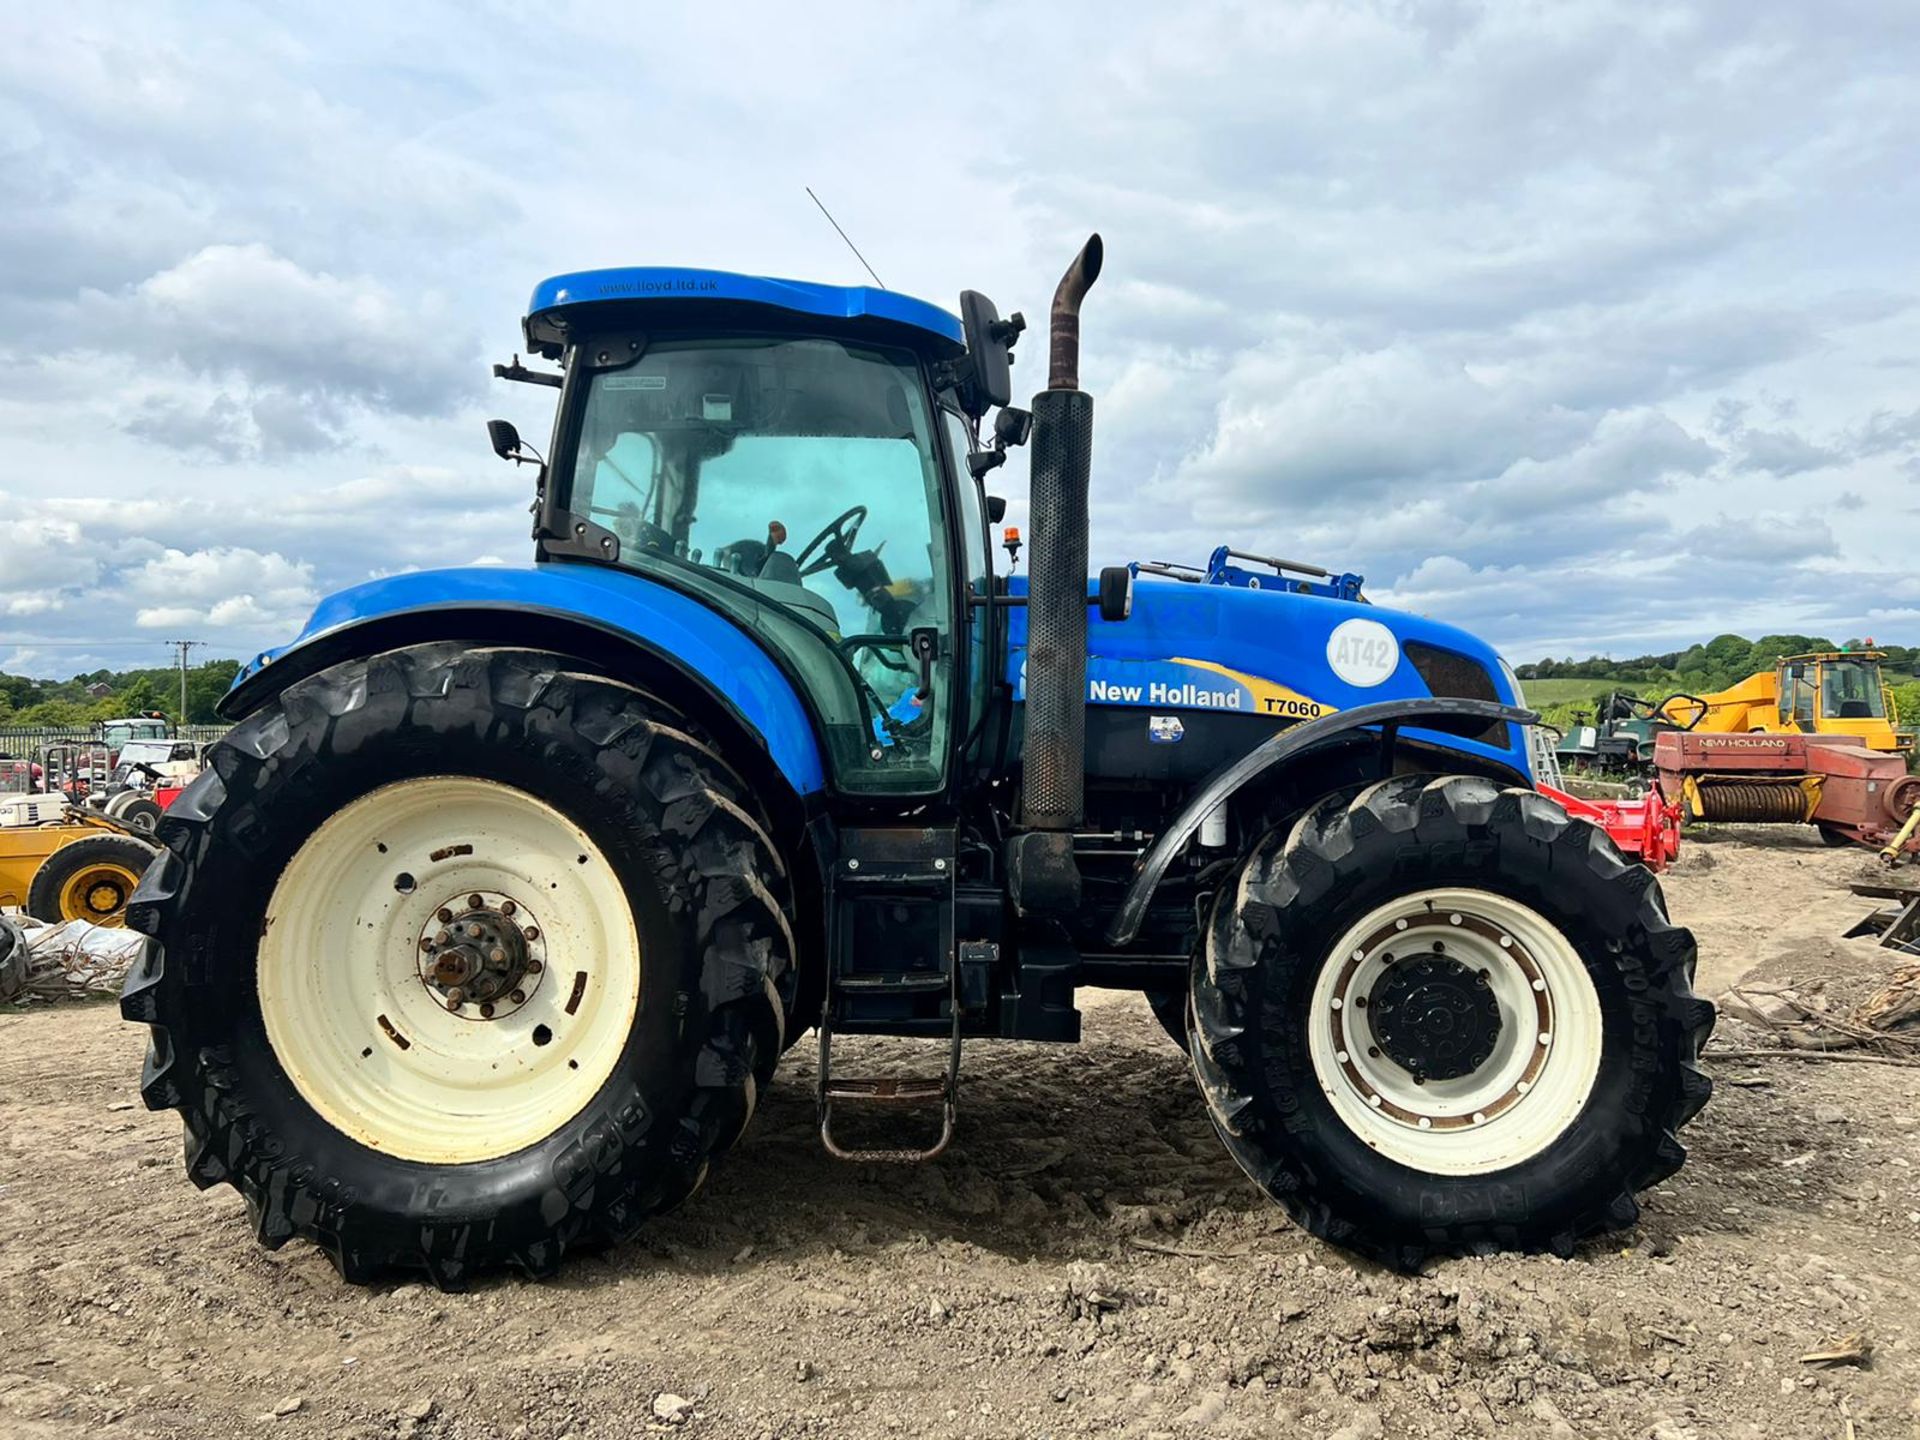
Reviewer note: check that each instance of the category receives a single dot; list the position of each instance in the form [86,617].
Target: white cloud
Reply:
[1550,319]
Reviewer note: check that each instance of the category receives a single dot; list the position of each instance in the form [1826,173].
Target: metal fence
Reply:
[25,740]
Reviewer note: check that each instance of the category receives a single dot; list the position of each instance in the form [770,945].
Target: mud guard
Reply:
[612,612]
[1229,779]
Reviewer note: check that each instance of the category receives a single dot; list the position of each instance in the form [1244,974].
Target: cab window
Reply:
[1850,690]
[795,483]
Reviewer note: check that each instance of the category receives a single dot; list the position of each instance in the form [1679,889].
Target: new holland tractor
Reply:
[492,916]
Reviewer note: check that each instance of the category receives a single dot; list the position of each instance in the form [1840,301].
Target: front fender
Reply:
[1390,714]
[554,606]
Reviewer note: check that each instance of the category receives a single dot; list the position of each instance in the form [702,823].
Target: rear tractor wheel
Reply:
[460,960]
[1444,1016]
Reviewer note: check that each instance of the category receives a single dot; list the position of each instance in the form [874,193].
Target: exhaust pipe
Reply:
[1042,874]
[1063,353]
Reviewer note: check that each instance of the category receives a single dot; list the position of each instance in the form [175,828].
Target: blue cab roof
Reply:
[655,284]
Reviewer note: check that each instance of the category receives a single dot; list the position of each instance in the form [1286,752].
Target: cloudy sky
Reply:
[1587,326]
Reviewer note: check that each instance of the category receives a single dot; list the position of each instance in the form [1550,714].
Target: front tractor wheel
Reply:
[460,960]
[1444,1016]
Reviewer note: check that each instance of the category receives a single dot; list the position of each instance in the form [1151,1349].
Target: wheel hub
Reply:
[1435,1018]
[481,955]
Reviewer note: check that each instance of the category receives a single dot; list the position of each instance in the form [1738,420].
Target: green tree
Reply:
[139,695]
[205,685]
[69,713]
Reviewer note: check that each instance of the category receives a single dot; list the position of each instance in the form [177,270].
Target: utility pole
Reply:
[183,646]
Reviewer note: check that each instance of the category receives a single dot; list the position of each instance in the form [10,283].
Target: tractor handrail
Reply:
[1152,866]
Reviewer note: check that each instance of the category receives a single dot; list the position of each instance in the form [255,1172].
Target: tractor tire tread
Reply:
[723,876]
[1303,863]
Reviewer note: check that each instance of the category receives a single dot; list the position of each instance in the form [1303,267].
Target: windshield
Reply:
[794,481]
[1850,690]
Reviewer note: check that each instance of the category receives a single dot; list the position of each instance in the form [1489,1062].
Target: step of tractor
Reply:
[892,941]
[904,1092]
[906,981]
[889,1089]
[898,1091]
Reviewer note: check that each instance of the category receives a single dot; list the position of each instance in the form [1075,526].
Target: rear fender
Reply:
[1283,749]
[616,623]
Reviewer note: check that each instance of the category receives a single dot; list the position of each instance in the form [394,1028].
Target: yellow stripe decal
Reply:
[1269,697]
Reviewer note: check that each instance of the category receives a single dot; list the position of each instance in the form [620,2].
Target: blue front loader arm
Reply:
[627,609]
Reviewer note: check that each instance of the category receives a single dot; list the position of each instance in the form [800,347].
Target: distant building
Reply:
[100,690]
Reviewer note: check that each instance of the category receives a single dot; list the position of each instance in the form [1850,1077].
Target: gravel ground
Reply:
[1085,1261]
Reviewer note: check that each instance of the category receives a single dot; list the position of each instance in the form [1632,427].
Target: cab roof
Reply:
[676,295]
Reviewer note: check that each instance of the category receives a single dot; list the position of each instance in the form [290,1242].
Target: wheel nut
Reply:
[426,942]
[497,955]
[455,996]
[486,1011]
[445,915]
[533,932]
[474,902]
[518,997]
[534,967]
[507,907]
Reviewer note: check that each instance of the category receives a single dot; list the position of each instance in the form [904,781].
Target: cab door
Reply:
[976,571]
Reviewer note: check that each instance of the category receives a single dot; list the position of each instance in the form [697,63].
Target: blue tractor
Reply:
[495,911]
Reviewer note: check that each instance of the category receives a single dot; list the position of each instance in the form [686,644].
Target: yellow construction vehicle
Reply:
[1834,692]
[59,862]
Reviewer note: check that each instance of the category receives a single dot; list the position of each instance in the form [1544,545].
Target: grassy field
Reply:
[1561,692]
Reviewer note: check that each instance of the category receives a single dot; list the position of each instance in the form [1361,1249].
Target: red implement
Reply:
[1850,792]
[1646,829]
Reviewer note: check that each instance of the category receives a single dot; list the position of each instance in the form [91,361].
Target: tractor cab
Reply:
[795,457]
[147,725]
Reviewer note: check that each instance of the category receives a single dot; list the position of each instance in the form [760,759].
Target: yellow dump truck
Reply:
[1829,693]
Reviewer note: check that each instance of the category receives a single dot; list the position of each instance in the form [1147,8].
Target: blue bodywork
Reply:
[1186,648]
[554,297]
[693,636]
[1269,653]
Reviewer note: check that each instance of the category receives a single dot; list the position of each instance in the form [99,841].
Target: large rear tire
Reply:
[1444,1016]
[460,960]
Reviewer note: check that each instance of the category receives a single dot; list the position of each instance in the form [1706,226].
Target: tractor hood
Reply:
[1276,655]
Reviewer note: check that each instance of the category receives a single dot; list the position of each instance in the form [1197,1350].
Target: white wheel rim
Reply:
[370,1039]
[1534,1079]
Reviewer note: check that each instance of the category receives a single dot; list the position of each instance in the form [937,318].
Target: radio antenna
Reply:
[843,235]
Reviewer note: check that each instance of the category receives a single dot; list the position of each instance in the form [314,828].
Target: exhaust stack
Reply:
[1042,872]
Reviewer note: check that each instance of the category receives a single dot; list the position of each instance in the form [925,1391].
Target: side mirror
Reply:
[1116,592]
[1012,426]
[504,438]
[989,379]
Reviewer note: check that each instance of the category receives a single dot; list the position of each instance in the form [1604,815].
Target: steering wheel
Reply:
[834,540]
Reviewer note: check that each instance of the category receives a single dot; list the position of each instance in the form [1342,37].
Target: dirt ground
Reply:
[1085,1261]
